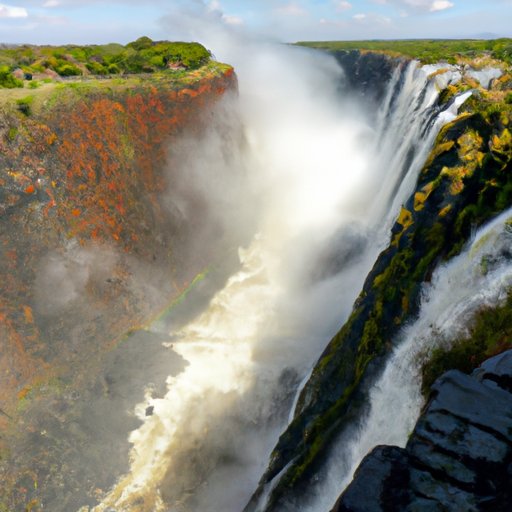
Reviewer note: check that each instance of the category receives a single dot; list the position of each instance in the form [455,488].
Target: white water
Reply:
[308,156]
[479,276]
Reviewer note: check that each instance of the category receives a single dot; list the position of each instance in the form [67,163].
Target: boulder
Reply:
[459,457]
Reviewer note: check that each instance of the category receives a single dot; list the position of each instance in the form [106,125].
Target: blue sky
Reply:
[80,21]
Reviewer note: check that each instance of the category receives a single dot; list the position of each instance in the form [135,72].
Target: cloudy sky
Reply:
[92,21]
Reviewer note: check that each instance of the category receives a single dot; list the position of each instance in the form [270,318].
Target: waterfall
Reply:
[457,291]
[327,197]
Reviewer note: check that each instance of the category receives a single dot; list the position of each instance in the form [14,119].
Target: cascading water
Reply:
[406,127]
[457,290]
[321,192]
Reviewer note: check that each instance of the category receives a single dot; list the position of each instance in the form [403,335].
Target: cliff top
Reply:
[41,67]
[428,51]
[33,95]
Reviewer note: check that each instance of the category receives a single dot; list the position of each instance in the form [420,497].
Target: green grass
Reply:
[425,50]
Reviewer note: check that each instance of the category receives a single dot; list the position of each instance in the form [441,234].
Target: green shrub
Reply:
[113,69]
[68,70]
[24,105]
[7,80]
[141,43]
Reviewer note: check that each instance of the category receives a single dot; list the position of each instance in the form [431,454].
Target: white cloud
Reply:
[342,5]
[428,5]
[440,5]
[8,11]
[214,5]
[291,9]
[372,19]
[232,20]
[51,3]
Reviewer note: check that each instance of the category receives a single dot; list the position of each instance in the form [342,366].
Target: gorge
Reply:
[242,272]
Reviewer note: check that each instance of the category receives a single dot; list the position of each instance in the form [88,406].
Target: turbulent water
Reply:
[328,180]
[480,276]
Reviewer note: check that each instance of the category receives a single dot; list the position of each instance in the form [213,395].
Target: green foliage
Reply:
[12,133]
[24,104]
[140,56]
[68,70]
[426,50]
[490,334]
[96,68]
[508,98]
[141,43]
[7,80]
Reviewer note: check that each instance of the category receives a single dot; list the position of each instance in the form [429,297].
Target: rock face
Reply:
[367,73]
[93,244]
[459,456]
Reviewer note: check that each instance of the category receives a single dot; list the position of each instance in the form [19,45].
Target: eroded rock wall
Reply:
[92,245]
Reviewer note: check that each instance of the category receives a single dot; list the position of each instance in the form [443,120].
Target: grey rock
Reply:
[444,493]
[369,491]
[459,457]
[429,455]
[455,436]
[497,370]
[470,400]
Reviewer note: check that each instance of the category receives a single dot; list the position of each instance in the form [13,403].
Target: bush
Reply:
[24,105]
[68,70]
[141,43]
[7,80]
[113,69]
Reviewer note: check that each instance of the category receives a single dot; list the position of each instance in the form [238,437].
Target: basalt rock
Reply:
[459,456]
[367,73]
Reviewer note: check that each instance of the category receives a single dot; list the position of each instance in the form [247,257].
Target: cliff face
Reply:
[88,233]
[465,181]
[457,458]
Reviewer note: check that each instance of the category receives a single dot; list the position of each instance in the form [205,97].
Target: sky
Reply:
[93,21]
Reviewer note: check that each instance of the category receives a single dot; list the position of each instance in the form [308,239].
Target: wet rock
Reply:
[370,489]
[459,457]
[498,369]
[472,401]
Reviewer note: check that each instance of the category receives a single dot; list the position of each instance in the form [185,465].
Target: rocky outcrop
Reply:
[366,73]
[459,456]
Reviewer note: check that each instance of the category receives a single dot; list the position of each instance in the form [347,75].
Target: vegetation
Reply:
[140,56]
[490,334]
[7,79]
[426,50]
